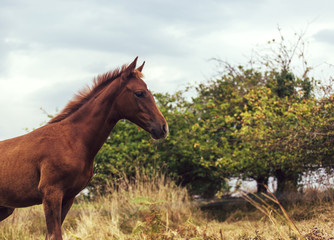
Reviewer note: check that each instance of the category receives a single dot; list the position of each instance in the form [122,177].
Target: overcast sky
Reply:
[51,49]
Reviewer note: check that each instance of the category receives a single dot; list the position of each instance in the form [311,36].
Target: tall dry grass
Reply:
[301,207]
[155,208]
[141,208]
[24,224]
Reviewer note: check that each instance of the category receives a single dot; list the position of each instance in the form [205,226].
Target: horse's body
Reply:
[52,164]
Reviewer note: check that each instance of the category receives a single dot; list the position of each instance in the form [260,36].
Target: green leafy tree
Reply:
[263,100]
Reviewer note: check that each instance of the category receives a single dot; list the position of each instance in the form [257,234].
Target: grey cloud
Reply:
[326,36]
[55,96]
[113,26]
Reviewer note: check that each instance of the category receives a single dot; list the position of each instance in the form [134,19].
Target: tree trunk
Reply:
[286,181]
[261,181]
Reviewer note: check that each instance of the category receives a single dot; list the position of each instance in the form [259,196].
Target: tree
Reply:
[270,127]
[268,72]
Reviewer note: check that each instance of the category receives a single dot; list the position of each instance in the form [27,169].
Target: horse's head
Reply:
[136,103]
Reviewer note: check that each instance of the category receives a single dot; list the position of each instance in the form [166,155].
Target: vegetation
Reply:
[147,207]
[252,122]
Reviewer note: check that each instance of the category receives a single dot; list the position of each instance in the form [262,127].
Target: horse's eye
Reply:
[140,94]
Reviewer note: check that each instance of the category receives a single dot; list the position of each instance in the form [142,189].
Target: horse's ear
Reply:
[126,73]
[140,69]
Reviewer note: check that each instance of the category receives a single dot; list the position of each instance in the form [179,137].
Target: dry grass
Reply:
[155,208]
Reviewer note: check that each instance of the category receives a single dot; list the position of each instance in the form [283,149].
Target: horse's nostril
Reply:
[164,128]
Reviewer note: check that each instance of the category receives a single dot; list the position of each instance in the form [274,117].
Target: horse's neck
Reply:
[93,122]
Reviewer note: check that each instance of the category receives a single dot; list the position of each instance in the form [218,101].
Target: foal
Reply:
[52,164]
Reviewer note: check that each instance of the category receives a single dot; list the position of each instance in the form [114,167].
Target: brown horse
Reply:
[52,164]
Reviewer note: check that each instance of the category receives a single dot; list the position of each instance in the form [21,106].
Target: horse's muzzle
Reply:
[160,131]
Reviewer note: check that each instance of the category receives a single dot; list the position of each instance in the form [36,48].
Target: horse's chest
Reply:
[80,180]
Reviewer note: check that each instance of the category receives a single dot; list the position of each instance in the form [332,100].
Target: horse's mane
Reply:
[83,96]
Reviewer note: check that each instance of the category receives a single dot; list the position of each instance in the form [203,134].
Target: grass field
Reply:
[155,208]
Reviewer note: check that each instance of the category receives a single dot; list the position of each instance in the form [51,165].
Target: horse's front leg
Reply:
[52,204]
